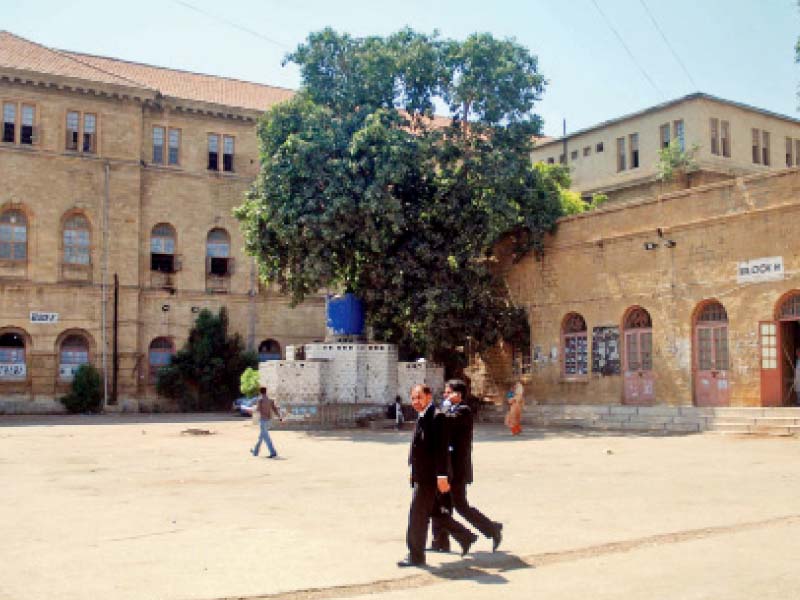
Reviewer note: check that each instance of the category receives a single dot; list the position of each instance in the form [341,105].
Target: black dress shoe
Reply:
[468,544]
[497,536]
[440,547]
[408,562]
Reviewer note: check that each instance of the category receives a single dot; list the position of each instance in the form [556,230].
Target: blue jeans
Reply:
[264,435]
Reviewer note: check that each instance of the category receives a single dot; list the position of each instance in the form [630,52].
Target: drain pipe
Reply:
[115,344]
[104,289]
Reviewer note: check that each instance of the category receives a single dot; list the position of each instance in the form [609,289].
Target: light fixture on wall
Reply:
[650,245]
[670,243]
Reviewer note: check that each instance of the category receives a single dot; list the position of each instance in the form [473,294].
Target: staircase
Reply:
[777,421]
[762,421]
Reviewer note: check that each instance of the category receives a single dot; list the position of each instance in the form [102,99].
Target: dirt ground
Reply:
[128,507]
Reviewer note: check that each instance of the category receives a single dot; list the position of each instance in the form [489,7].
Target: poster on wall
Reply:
[605,350]
[12,370]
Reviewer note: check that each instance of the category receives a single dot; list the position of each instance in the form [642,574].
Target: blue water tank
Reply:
[345,315]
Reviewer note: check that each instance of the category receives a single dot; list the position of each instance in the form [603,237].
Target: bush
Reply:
[205,373]
[86,394]
[249,382]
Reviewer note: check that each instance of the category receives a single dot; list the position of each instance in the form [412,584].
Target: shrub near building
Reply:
[86,393]
[205,373]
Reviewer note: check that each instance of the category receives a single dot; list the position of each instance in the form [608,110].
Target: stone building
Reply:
[690,298]
[619,157]
[117,172]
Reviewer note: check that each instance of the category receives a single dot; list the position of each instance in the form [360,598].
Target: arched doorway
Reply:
[779,345]
[639,381]
[269,350]
[711,360]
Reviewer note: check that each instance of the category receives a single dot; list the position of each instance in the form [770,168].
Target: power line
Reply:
[231,24]
[628,50]
[666,41]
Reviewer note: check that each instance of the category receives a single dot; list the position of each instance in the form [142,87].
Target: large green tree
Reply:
[205,373]
[362,189]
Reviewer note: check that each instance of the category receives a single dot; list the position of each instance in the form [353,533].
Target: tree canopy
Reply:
[363,189]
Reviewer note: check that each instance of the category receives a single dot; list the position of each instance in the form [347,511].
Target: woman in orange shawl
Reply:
[516,401]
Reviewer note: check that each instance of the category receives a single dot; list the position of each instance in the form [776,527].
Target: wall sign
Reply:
[44,317]
[760,269]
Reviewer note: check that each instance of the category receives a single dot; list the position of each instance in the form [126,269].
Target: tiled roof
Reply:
[191,86]
[19,53]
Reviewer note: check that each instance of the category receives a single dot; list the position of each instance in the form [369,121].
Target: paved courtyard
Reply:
[128,507]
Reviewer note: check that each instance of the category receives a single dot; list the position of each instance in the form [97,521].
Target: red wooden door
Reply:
[639,380]
[711,380]
[771,391]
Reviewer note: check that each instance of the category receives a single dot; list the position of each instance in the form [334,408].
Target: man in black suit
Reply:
[429,477]
[459,425]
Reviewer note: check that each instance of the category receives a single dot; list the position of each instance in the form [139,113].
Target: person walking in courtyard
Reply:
[459,429]
[398,413]
[516,402]
[429,477]
[265,407]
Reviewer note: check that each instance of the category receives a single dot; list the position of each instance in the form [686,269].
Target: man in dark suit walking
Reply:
[429,476]
[459,425]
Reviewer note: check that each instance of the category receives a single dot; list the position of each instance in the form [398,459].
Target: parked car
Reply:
[244,406]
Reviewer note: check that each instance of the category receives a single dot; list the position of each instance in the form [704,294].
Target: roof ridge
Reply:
[143,64]
[66,55]
[692,96]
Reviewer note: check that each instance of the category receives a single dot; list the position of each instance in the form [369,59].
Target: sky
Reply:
[741,50]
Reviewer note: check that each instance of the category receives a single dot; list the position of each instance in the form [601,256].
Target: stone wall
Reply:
[410,374]
[347,373]
[296,382]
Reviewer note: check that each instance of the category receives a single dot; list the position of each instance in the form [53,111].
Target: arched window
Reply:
[713,312]
[638,318]
[162,248]
[790,308]
[13,235]
[77,240]
[575,345]
[218,252]
[74,352]
[12,357]
[161,351]
[269,350]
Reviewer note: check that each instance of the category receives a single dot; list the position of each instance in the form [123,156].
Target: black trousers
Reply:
[457,499]
[423,506]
